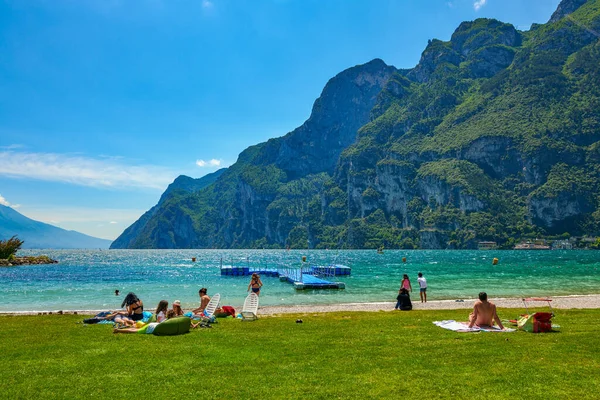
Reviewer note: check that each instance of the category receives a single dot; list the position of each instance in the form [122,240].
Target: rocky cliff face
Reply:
[558,209]
[342,108]
[565,8]
[130,238]
[494,135]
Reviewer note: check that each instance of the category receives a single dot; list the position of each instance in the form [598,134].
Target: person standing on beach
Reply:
[406,283]
[422,287]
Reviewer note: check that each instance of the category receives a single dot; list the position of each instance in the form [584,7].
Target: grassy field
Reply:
[341,355]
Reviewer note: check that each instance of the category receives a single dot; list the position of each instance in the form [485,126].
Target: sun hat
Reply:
[176,303]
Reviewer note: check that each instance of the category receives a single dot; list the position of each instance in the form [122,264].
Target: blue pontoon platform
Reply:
[306,279]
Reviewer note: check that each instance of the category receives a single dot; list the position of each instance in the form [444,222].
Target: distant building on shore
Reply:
[562,245]
[487,246]
[537,244]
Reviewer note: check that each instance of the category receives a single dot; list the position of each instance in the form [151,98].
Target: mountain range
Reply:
[38,235]
[493,135]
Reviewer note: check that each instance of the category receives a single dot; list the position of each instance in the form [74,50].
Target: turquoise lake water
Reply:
[86,280]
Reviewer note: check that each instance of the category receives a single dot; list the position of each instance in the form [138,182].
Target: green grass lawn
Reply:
[335,355]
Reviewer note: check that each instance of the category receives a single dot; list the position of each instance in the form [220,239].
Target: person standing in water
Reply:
[255,284]
[422,287]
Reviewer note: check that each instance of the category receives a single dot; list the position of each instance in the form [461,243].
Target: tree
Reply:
[9,247]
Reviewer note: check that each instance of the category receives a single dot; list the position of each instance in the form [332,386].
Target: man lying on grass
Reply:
[484,313]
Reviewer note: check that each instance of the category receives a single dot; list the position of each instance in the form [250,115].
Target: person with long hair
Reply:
[135,307]
[255,284]
[149,328]
[177,308]
[161,311]
[406,283]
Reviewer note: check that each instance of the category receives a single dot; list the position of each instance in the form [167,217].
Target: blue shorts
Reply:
[423,289]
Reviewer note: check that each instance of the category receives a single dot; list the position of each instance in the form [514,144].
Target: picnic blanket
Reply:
[464,327]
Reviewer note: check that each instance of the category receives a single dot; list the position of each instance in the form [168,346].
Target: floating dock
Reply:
[331,270]
[307,281]
[310,278]
[305,277]
[228,270]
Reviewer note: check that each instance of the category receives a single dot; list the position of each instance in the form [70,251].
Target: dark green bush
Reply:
[9,247]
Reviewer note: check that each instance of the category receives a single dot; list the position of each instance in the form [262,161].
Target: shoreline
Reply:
[589,301]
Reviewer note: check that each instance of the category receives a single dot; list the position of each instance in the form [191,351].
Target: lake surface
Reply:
[87,279]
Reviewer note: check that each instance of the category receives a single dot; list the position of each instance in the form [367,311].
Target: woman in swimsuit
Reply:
[255,284]
[135,307]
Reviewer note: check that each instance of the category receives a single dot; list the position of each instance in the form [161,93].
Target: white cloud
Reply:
[84,171]
[478,4]
[113,222]
[212,163]
[11,147]
[4,202]
[207,4]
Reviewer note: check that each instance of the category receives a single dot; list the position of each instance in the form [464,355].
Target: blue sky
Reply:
[104,102]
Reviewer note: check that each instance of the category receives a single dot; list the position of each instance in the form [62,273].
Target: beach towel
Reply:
[464,327]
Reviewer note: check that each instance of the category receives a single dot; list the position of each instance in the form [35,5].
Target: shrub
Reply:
[9,247]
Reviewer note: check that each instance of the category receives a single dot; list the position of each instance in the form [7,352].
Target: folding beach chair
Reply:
[208,315]
[250,309]
[212,306]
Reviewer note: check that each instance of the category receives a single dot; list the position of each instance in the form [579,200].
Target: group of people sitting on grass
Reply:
[130,320]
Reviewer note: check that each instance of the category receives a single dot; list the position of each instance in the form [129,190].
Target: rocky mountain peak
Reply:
[474,35]
[342,108]
[565,8]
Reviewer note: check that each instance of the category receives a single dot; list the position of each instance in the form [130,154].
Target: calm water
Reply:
[88,279]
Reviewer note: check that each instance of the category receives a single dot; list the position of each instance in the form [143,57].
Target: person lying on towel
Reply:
[149,328]
[484,313]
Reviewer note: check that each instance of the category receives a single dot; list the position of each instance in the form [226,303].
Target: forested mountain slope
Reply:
[494,135]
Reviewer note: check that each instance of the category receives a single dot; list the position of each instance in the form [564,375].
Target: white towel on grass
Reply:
[464,327]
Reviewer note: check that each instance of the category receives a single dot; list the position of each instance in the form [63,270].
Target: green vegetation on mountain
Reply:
[494,135]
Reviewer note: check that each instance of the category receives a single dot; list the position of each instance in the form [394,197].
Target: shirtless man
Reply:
[484,313]
[204,299]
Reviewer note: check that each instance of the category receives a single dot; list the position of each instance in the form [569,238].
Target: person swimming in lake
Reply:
[405,284]
[255,284]
[484,313]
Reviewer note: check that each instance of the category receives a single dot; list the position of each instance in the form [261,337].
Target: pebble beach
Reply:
[558,302]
